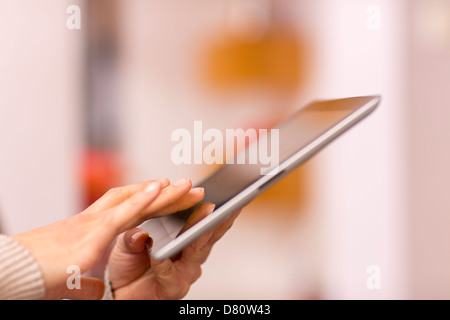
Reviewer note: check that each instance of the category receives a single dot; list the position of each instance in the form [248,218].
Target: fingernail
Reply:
[149,243]
[211,208]
[153,186]
[181,182]
[197,190]
[136,236]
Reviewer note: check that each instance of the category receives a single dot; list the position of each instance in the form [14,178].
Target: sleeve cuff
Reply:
[20,275]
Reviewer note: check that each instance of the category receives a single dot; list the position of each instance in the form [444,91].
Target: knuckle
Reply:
[193,272]
[108,220]
[184,289]
[164,270]
[114,191]
[197,274]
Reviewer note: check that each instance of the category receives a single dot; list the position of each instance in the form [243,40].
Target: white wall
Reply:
[362,174]
[39,103]
[428,148]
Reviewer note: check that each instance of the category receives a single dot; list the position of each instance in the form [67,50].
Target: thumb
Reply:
[134,241]
[129,258]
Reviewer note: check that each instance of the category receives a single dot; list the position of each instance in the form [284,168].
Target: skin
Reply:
[134,275]
[82,239]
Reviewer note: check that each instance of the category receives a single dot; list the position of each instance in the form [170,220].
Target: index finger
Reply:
[130,215]
[115,196]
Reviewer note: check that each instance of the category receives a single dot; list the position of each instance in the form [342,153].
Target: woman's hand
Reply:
[134,275]
[81,239]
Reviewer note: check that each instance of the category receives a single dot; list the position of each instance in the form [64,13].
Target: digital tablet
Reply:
[235,184]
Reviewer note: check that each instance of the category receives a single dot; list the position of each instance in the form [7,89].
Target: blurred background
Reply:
[83,110]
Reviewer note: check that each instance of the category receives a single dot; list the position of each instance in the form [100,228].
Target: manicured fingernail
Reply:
[198,190]
[211,208]
[181,182]
[152,187]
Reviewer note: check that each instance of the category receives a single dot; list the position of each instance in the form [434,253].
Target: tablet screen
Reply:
[295,133]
